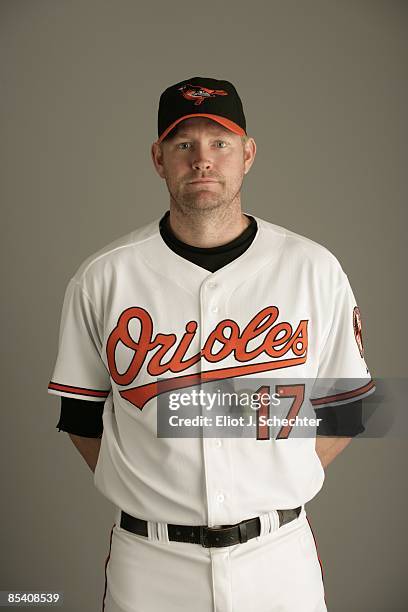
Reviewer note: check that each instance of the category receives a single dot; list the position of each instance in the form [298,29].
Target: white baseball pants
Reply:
[279,571]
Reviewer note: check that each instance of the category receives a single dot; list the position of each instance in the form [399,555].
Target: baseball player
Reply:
[207,293]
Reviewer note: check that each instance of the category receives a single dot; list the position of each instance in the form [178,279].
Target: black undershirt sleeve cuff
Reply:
[344,420]
[81,417]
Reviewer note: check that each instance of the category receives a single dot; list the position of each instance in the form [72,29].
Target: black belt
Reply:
[209,537]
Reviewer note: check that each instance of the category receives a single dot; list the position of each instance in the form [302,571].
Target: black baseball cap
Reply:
[201,97]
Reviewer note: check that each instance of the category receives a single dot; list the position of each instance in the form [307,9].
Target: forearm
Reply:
[88,447]
[328,448]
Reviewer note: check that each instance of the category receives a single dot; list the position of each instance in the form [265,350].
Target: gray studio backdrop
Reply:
[324,89]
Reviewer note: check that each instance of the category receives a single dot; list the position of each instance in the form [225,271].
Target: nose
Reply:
[201,161]
[202,164]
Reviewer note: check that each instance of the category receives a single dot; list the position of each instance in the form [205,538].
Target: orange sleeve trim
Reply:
[77,390]
[338,397]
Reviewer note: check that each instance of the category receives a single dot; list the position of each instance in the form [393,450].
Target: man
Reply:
[208,294]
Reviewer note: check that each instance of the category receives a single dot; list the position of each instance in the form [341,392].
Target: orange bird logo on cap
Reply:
[199,94]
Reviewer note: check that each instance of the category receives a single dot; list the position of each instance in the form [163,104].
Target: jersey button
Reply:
[214,309]
[217,443]
[212,285]
[220,498]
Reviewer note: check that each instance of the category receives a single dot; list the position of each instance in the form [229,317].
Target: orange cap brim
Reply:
[230,125]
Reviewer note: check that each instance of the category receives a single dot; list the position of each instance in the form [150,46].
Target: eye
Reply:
[222,142]
[181,145]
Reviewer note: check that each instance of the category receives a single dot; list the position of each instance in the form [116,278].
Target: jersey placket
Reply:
[217,463]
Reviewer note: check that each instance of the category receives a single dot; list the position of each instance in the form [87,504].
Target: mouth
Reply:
[202,181]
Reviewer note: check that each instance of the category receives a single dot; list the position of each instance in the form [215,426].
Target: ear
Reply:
[157,158]
[249,154]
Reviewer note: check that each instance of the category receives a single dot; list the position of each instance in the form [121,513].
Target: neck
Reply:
[209,228]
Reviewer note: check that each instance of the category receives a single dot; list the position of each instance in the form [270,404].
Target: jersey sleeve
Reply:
[79,371]
[343,376]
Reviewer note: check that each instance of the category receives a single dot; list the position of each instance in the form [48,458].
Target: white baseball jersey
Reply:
[136,311]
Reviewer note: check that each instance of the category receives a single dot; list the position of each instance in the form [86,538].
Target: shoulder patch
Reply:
[358,330]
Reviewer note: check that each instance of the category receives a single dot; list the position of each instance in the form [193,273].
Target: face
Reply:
[199,148]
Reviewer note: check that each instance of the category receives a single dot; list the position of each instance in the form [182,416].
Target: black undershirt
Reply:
[213,258]
[84,417]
